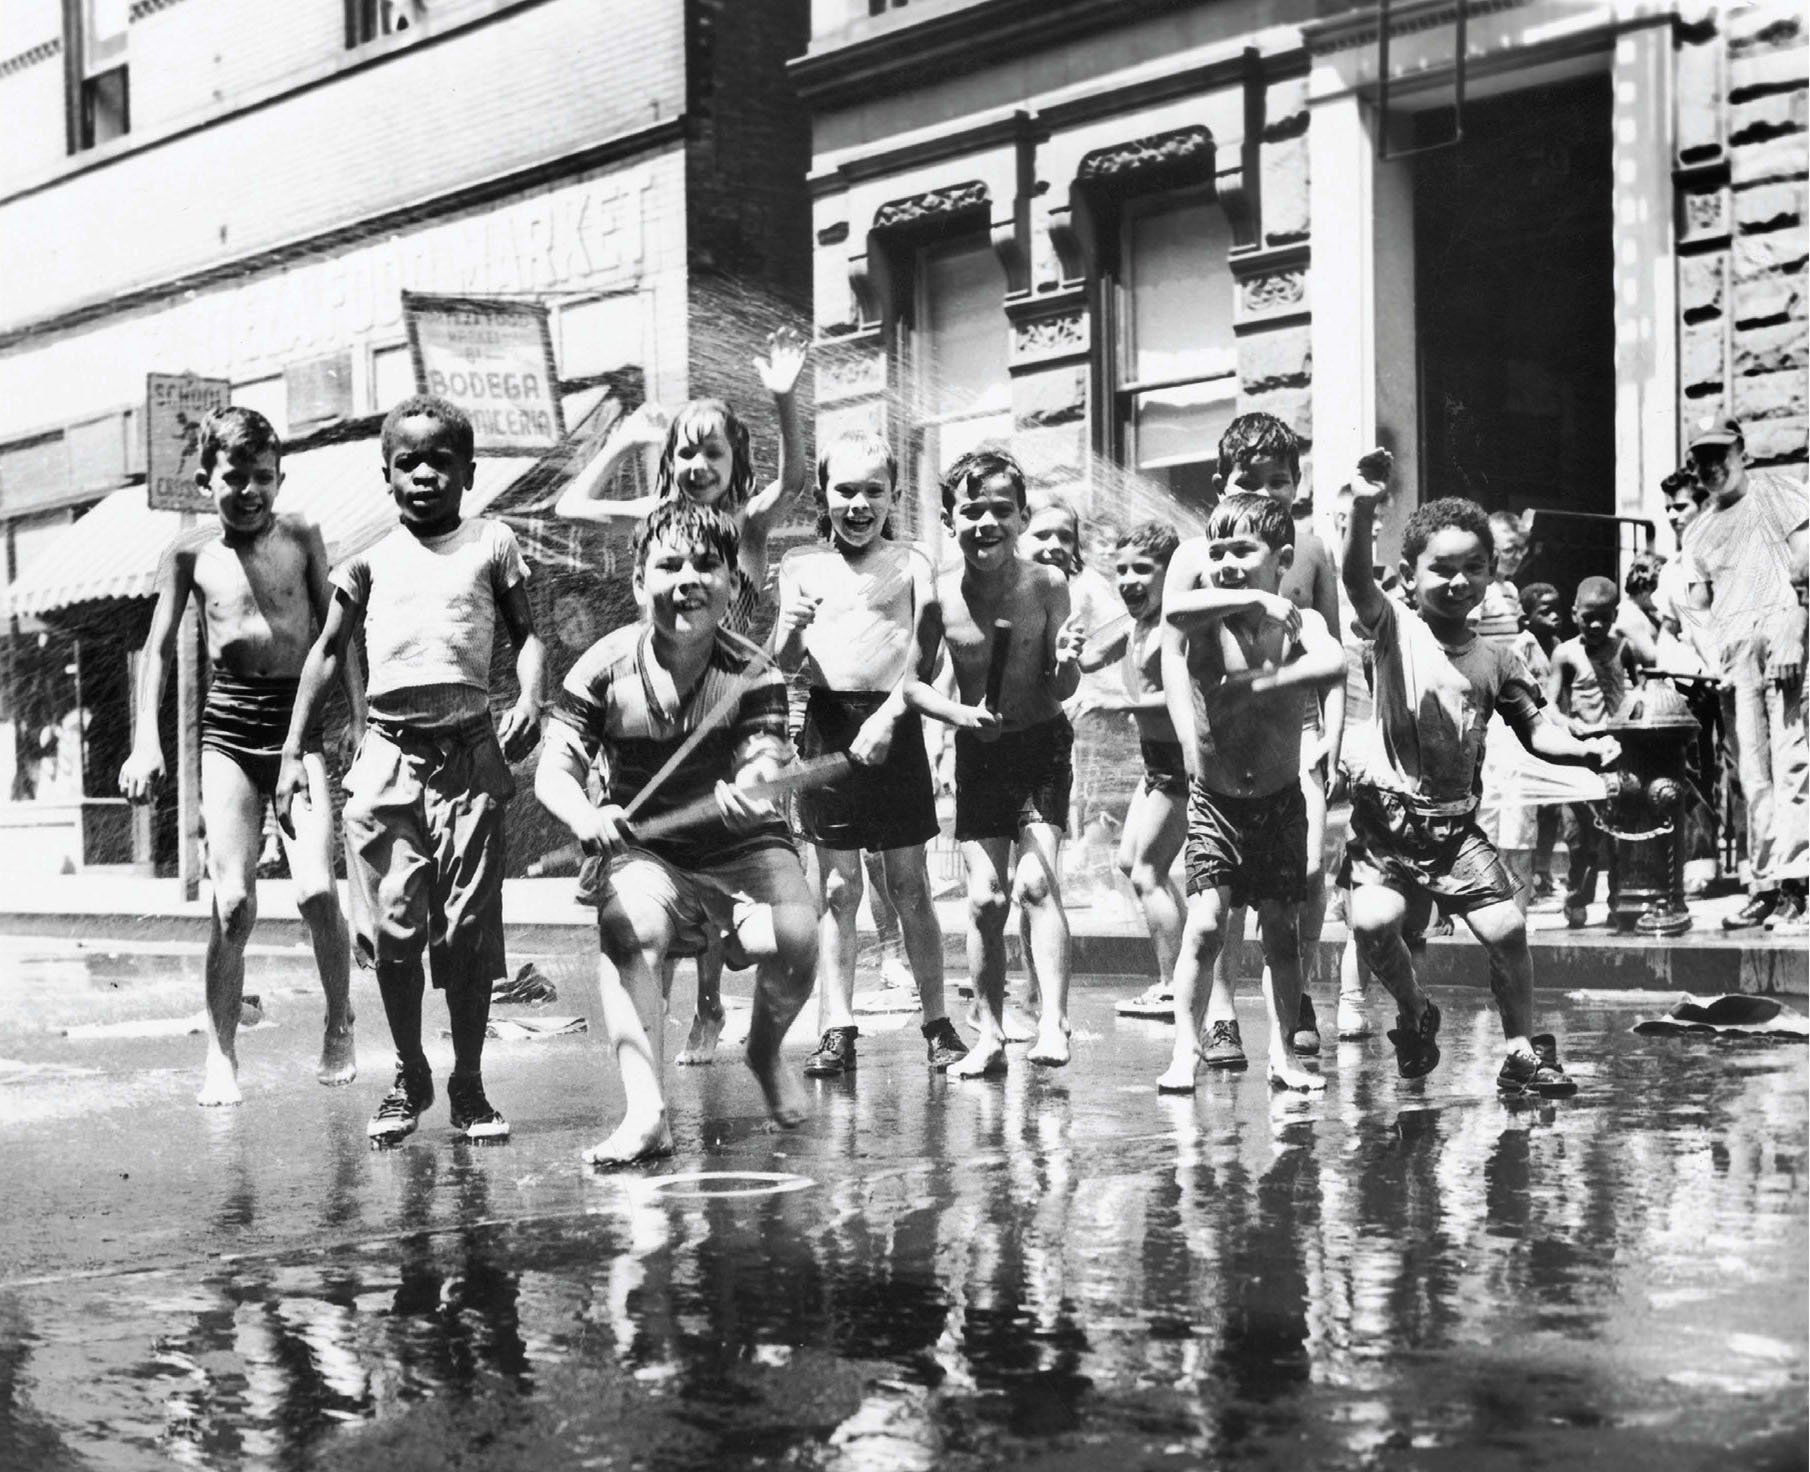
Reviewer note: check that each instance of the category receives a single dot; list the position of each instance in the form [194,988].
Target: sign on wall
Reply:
[175,405]
[494,359]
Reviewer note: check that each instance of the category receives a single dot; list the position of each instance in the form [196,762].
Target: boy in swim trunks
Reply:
[259,578]
[426,794]
[1011,783]
[638,697]
[858,615]
[1239,661]
[1416,780]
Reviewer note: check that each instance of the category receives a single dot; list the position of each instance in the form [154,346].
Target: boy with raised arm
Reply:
[1239,661]
[260,580]
[681,709]
[1012,783]
[426,793]
[1414,834]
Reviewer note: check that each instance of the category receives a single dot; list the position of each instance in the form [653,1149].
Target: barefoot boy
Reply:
[1414,836]
[1239,662]
[859,616]
[636,696]
[426,793]
[260,579]
[1011,785]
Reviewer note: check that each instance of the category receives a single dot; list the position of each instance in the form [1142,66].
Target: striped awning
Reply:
[114,550]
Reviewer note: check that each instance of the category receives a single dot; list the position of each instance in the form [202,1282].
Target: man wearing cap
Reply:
[1736,567]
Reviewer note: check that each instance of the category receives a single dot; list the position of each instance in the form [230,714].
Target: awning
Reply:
[113,551]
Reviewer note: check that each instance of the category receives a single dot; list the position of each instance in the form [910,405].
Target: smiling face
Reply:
[986,519]
[1242,559]
[1276,479]
[1447,580]
[1139,578]
[244,489]
[428,474]
[703,460]
[683,587]
[857,496]
[1053,538]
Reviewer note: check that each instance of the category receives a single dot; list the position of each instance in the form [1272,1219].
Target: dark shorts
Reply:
[246,718]
[1443,856]
[1165,767]
[1254,846]
[1023,777]
[892,805]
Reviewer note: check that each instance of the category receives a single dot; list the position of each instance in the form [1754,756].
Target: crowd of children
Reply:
[729,821]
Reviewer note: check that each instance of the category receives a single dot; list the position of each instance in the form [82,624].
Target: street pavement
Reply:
[1060,1270]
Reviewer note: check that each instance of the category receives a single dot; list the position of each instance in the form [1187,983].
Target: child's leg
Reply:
[468,831]
[310,854]
[1353,1023]
[707,1011]
[840,871]
[1580,859]
[1377,913]
[635,931]
[985,861]
[888,927]
[1156,824]
[1038,891]
[905,889]
[1502,929]
[1222,1005]
[1546,837]
[234,813]
[1203,935]
[1313,906]
[780,929]
[1281,928]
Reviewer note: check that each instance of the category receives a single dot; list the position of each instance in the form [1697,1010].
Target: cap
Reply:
[1719,431]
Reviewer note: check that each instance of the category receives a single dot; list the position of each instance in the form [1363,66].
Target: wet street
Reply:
[1063,1270]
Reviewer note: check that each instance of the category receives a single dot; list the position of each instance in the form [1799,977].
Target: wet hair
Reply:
[1643,573]
[1258,437]
[1436,516]
[861,442]
[237,433]
[687,523]
[1601,592]
[978,466]
[1684,478]
[741,458]
[430,406]
[1250,513]
[1157,539]
[1534,594]
[1039,501]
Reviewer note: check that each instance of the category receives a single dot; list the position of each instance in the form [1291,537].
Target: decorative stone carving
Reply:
[1048,338]
[849,372]
[954,200]
[1284,289]
[1705,217]
[1161,151]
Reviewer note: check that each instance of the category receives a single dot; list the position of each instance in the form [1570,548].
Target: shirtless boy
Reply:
[260,580]
[1011,784]
[1239,661]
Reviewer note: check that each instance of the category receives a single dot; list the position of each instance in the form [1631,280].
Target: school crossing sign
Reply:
[494,359]
[175,405]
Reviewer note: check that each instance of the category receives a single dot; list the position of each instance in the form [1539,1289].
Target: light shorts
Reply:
[703,904]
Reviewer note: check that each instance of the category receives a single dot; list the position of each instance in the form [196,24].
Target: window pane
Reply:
[319,391]
[595,337]
[270,397]
[1179,298]
[1176,426]
[961,347]
[392,377]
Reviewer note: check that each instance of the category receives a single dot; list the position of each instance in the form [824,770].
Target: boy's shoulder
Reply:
[604,659]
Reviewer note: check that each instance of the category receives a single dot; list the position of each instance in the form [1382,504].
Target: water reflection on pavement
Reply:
[1063,1270]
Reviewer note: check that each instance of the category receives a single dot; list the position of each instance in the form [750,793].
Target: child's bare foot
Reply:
[1287,1073]
[220,1082]
[986,1059]
[633,1142]
[787,1104]
[1051,1048]
[1019,1026]
[339,1055]
[1178,1078]
[701,1041]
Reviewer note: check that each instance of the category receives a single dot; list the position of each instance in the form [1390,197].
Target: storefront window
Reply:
[392,377]
[964,393]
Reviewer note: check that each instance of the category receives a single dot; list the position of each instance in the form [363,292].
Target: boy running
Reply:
[260,580]
[1239,662]
[638,697]
[426,793]
[1414,835]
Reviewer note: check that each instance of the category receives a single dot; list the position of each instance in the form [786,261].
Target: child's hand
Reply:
[1071,639]
[346,744]
[779,370]
[608,833]
[1373,472]
[1280,610]
[873,742]
[292,782]
[520,730]
[1603,751]
[799,614]
[141,775]
[983,720]
[741,811]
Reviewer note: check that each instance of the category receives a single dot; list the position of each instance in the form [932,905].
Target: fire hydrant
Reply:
[1645,811]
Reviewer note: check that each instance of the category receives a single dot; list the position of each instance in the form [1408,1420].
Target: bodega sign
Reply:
[175,405]
[494,359]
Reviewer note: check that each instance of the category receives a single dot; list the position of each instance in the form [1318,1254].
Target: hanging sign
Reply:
[175,405]
[494,359]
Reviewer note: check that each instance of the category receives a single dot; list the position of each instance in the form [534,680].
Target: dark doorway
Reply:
[1515,303]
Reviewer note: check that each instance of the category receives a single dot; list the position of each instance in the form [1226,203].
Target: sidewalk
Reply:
[1110,941]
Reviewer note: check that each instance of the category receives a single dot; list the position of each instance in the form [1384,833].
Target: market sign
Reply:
[494,359]
[175,405]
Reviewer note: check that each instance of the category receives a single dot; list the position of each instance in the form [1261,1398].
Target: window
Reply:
[596,336]
[1177,359]
[318,392]
[392,376]
[963,390]
[270,397]
[370,20]
[101,98]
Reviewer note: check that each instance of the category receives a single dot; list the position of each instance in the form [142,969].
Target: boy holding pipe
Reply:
[682,709]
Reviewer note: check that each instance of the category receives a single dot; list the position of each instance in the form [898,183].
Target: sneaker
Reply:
[1785,918]
[1353,1022]
[1416,1048]
[1576,917]
[835,1055]
[408,1099]
[1754,912]
[1307,1029]
[944,1042]
[473,1116]
[1223,1047]
[1540,1076]
[1156,1001]
[1543,888]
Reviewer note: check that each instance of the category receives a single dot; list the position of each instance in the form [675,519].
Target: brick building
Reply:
[244,188]
[1528,253]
